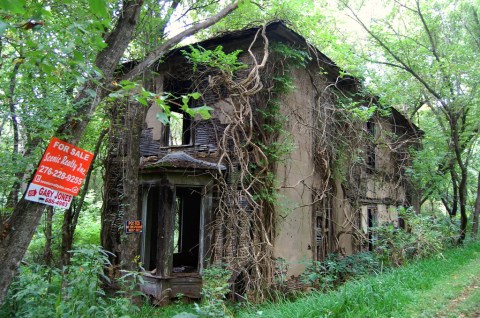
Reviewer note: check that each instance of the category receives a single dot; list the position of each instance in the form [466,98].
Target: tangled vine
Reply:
[250,146]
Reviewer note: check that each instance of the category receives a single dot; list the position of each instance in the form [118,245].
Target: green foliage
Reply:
[403,292]
[336,269]
[163,100]
[425,236]
[356,109]
[88,228]
[296,58]
[216,59]
[87,231]
[76,291]
[47,52]
[215,286]
[164,103]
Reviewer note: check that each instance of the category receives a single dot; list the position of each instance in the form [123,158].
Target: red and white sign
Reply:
[48,196]
[63,167]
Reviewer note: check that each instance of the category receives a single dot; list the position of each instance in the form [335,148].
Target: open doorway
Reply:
[172,237]
[186,234]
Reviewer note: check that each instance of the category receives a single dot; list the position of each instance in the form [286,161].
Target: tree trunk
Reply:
[462,189]
[121,187]
[12,198]
[13,246]
[67,234]
[47,252]
[70,218]
[26,215]
[477,211]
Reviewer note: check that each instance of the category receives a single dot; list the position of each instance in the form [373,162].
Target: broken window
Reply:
[172,226]
[178,131]
[323,229]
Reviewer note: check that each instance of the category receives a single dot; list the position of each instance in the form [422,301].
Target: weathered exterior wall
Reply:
[295,176]
[385,183]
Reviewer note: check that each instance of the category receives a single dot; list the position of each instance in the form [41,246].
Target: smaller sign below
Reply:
[133,227]
[40,194]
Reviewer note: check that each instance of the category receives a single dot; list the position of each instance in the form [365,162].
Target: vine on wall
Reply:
[255,140]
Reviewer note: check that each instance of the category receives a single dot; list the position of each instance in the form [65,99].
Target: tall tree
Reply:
[96,85]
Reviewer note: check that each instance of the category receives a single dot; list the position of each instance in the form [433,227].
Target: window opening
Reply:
[151,229]
[371,147]
[322,232]
[178,131]
[372,222]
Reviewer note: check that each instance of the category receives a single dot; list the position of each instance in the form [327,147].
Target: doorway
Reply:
[172,240]
[186,232]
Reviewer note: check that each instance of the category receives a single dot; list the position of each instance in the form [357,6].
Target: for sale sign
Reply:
[63,167]
[48,196]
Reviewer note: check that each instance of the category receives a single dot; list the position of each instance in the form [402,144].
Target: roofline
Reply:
[275,30]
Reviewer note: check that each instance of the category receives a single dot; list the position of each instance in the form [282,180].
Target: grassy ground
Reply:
[443,286]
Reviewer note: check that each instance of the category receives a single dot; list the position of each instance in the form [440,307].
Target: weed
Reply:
[425,236]
[336,269]
[215,287]
[40,291]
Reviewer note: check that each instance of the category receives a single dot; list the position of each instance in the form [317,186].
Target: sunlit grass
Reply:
[416,290]
[422,289]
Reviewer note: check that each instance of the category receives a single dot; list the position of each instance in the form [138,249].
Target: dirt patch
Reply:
[456,302]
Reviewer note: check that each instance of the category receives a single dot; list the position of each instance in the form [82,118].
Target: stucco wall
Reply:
[295,176]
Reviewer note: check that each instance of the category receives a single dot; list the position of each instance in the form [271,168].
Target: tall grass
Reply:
[384,295]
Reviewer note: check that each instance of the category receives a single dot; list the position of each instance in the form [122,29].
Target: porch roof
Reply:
[183,160]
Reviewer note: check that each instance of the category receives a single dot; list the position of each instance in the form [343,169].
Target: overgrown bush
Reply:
[424,236]
[336,269]
[40,291]
[215,280]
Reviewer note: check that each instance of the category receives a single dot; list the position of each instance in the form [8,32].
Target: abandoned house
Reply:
[288,167]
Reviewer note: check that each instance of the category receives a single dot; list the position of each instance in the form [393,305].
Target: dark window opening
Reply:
[186,235]
[372,222]
[370,160]
[179,130]
[322,234]
[371,128]
[183,209]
